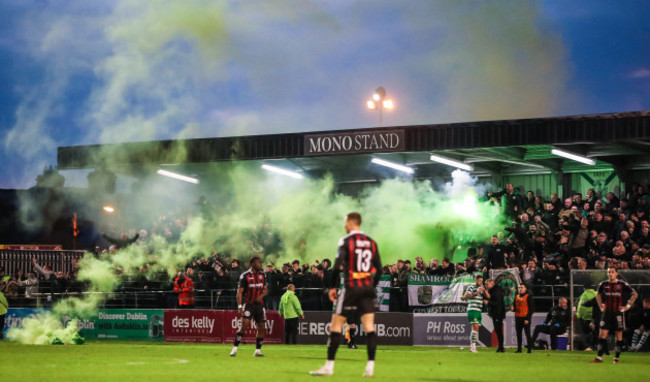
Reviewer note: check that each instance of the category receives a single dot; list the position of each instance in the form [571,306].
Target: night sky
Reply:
[86,72]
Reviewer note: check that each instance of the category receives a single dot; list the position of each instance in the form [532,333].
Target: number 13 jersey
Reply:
[358,260]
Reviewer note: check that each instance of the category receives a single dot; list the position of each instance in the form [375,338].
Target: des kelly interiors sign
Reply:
[354,142]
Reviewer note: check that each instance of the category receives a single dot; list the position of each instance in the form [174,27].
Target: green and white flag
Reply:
[383,293]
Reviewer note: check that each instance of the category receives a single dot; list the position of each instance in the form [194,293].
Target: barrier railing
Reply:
[13,260]
[159,295]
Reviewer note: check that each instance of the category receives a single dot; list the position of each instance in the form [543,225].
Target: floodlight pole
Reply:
[378,99]
[381,94]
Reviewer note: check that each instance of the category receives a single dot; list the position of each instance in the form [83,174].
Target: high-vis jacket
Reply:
[290,305]
[185,292]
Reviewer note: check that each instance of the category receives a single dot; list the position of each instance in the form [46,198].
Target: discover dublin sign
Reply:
[354,142]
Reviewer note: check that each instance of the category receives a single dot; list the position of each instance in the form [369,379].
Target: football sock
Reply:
[643,340]
[473,338]
[333,345]
[238,338]
[635,337]
[618,347]
[258,343]
[372,345]
[602,347]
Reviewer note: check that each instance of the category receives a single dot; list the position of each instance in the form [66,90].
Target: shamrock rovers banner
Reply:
[438,294]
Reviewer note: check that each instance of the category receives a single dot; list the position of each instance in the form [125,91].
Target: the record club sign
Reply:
[354,143]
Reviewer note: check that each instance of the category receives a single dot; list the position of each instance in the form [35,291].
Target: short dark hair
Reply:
[254,259]
[354,217]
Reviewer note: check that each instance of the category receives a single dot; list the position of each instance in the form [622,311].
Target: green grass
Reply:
[130,361]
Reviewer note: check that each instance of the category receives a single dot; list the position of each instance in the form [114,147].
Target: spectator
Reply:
[601,246]
[291,310]
[555,200]
[123,241]
[512,202]
[531,274]
[579,243]
[434,267]
[403,283]
[496,255]
[31,288]
[566,210]
[420,267]
[612,201]
[557,321]
[448,269]
[49,285]
[395,301]
[538,206]
[591,198]
[550,216]
[529,201]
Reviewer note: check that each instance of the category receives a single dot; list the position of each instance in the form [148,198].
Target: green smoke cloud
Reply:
[284,219]
[44,330]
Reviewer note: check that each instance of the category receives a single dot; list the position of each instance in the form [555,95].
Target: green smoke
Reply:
[44,330]
[284,219]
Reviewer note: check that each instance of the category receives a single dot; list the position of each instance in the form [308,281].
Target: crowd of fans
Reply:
[546,239]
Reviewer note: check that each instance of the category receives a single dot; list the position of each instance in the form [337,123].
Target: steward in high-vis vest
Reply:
[585,314]
[524,309]
[185,289]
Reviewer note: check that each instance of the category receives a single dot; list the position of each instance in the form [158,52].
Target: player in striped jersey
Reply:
[358,258]
[611,296]
[474,295]
[250,302]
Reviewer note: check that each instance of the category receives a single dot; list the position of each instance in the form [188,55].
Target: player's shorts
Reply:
[612,321]
[475,317]
[255,312]
[355,302]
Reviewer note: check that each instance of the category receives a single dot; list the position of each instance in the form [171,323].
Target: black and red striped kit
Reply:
[614,295]
[358,257]
[253,284]
[360,267]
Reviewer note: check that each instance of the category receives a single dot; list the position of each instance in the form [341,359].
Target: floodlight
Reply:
[393,165]
[173,175]
[282,171]
[574,157]
[451,162]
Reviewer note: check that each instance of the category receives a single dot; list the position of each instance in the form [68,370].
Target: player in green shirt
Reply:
[474,295]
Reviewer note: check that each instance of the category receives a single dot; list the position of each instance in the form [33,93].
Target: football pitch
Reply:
[131,361]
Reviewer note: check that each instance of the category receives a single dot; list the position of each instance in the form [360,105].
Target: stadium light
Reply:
[380,102]
[108,209]
[393,165]
[451,162]
[282,171]
[574,157]
[174,175]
